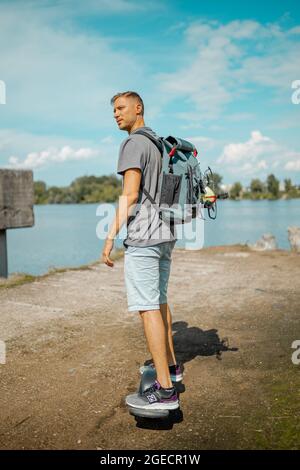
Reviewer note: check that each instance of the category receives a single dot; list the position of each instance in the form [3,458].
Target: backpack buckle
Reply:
[172,151]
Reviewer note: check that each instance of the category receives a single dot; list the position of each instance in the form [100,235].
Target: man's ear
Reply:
[139,108]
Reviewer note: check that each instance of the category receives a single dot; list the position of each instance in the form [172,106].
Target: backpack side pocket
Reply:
[170,189]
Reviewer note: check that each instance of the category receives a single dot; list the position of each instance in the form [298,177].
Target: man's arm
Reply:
[127,201]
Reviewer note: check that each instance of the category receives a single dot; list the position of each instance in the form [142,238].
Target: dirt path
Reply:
[73,353]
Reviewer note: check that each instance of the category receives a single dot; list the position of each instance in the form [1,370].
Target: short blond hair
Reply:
[131,94]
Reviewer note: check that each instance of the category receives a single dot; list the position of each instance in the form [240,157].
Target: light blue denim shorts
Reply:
[147,271]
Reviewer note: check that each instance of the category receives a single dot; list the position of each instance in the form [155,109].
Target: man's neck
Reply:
[137,125]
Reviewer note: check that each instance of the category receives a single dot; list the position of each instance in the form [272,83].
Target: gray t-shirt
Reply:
[144,227]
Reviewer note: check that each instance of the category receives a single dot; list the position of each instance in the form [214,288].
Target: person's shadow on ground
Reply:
[189,342]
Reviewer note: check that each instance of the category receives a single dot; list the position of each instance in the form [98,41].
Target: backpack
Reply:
[179,183]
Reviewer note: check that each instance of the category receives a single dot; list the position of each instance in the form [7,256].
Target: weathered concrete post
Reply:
[3,254]
[16,207]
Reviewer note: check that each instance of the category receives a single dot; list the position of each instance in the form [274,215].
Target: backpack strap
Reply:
[149,196]
[155,141]
[159,145]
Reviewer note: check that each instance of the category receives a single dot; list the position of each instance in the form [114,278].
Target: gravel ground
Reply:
[73,352]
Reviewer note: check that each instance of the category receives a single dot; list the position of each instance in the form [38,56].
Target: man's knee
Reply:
[147,313]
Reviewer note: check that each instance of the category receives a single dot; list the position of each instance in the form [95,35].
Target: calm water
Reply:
[65,235]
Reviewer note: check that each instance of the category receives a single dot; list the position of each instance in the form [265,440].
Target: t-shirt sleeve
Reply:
[131,156]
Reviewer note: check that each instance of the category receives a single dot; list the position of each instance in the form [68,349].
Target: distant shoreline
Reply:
[108,188]
[16,279]
[115,202]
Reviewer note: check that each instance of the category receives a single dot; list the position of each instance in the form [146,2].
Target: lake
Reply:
[65,235]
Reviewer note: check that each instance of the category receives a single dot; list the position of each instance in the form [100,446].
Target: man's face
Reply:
[126,111]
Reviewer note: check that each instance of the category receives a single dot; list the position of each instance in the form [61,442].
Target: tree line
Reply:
[268,189]
[108,188]
[85,189]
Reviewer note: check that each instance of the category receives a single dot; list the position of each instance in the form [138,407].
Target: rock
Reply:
[236,255]
[266,242]
[294,238]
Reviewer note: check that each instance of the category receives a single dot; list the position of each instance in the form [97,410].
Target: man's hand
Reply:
[108,246]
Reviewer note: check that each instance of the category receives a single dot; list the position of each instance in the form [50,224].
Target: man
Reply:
[148,249]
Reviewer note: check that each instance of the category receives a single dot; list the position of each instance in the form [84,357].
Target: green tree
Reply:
[40,192]
[257,187]
[236,190]
[85,189]
[56,195]
[288,186]
[273,186]
[96,188]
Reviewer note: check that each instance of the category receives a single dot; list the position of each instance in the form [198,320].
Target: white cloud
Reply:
[52,155]
[262,164]
[253,148]
[109,140]
[224,61]
[13,141]
[41,150]
[294,163]
[201,82]
[58,76]
[256,155]
[205,31]
[295,30]
[276,70]
[293,166]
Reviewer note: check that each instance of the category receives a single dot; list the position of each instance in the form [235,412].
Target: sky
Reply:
[218,73]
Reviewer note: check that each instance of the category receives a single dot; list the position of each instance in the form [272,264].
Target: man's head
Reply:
[128,110]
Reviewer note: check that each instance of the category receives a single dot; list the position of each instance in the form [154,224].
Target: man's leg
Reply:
[164,274]
[167,319]
[156,337]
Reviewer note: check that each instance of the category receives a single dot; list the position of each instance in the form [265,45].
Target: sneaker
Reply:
[175,371]
[154,398]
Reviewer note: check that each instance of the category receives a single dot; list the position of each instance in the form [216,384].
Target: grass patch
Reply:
[18,279]
[278,426]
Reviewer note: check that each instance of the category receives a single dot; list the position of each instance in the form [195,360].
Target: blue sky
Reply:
[218,73]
